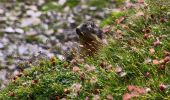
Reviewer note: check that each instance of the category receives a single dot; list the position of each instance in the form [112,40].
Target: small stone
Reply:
[71,20]
[3,73]
[15,73]
[33,13]
[50,32]
[19,30]
[61,2]
[93,8]
[1,11]
[1,45]
[41,2]
[11,67]
[9,30]
[31,33]
[61,57]
[32,7]
[30,21]
[22,50]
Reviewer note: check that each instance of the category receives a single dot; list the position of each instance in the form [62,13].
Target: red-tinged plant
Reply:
[128,96]
[141,1]
[162,87]
[156,43]
[145,36]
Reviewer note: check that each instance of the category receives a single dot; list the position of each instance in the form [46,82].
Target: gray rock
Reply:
[23,49]
[3,73]
[1,45]
[62,2]
[61,57]
[9,30]
[49,32]
[31,32]
[19,30]
[2,11]
[30,21]
[93,8]
[41,2]
[33,13]
[12,67]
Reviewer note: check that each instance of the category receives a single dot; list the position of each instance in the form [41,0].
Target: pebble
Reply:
[9,30]
[30,21]
[23,50]
[61,2]
[1,45]
[1,11]
[19,30]
[3,73]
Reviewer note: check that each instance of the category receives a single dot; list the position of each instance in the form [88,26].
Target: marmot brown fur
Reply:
[90,37]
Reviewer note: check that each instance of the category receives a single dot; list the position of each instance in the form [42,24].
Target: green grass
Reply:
[33,39]
[99,75]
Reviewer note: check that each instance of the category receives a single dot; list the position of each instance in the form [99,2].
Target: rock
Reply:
[11,67]
[49,32]
[33,13]
[19,30]
[32,7]
[30,21]
[61,2]
[1,56]
[70,19]
[9,30]
[31,32]
[1,45]
[93,8]
[67,9]
[3,73]
[15,73]
[2,11]
[23,49]
[41,2]
[43,38]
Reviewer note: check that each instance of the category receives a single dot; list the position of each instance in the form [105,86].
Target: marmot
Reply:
[90,38]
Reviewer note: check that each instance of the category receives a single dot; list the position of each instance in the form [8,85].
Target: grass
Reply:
[33,39]
[134,65]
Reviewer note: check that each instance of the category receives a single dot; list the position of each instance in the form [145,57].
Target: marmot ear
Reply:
[78,32]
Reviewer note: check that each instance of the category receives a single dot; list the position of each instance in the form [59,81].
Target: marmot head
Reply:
[89,31]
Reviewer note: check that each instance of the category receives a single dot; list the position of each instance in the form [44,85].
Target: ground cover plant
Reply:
[134,64]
